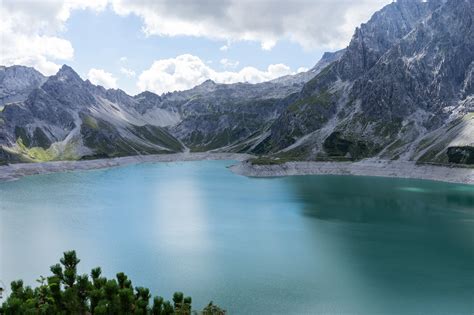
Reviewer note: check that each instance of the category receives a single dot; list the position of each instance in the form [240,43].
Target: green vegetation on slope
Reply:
[157,135]
[323,99]
[337,146]
[36,154]
[7,156]
[66,292]
[267,160]
[461,155]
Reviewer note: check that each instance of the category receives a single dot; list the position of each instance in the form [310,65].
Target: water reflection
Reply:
[403,241]
[372,200]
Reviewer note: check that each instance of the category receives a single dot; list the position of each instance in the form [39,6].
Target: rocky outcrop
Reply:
[303,77]
[384,29]
[16,82]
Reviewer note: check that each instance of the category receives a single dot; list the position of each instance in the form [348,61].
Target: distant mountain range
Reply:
[402,89]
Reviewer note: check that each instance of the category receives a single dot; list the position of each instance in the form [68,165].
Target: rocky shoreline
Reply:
[369,167]
[16,171]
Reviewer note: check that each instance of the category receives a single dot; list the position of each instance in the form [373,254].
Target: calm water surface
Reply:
[295,245]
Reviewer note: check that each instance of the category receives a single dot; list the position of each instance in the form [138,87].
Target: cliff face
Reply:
[424,82]
[402,89]
[385,28]
[16,82]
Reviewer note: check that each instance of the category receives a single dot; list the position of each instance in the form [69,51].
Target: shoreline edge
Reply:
[368,167]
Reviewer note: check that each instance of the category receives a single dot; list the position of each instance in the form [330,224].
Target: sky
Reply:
[168,45]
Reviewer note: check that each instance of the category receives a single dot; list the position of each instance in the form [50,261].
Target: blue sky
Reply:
[101,39]
[167,45]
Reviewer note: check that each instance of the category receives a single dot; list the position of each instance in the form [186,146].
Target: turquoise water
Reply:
[294,245]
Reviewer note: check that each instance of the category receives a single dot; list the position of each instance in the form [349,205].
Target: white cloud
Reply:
[302,69]
[35,50]
[187,71]
[311,23]
[226,63]
[29,32]
[100,77]
[127,72]
[268,44]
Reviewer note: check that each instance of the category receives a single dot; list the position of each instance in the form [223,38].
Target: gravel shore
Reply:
[15,171]
[369,167]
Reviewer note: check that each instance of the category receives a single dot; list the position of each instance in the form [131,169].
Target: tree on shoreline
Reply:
[66,292]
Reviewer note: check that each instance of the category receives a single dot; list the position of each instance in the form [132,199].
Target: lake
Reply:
[290,245]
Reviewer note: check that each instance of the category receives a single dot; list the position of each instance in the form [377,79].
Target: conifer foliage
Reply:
[66,292]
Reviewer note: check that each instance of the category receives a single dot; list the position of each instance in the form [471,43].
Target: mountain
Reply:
[214,116]
[328,94]
[68,118]
[230,117]
[402,89]
[303,77]
[65,117]
[220,115]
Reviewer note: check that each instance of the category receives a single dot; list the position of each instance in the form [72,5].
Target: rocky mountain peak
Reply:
[19,76]
[385,28]
[67,87]
[327,59]
[67,74]
[16,82]
[207,84]
[146,94]
[434,62]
